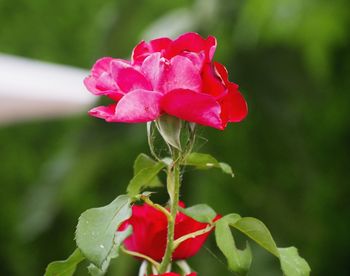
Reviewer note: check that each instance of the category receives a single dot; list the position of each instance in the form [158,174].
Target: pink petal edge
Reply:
[138,106]
[193,107]
[103,112]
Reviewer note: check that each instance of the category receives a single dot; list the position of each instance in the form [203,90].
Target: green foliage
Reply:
[206,161]
[291,263]
[96,231]
[94,270]
[315,28]
[238,261]
[200,212]
[66,267]
[258,232]
[144,161]
[146,173]
[120,236]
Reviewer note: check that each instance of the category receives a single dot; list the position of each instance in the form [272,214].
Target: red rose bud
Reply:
[149,235]
[176,77]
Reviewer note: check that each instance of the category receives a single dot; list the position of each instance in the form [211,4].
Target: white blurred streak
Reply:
[31,89]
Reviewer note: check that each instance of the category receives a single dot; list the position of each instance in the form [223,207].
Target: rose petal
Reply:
[222,72]
[196,58]
[152,68]
[211,46]
[114,95]
[233,107]
[145,238]
[100,66]
[180,73]
[150,233]
[212,83]
[100,80]
[105,82]
[143,49]
[192,42]
[127,77]
[192,106]
[100,85]
[90,84]
[103,112]
[189,247]
[137,106]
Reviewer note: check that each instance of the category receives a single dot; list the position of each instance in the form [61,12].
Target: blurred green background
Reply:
[290,156]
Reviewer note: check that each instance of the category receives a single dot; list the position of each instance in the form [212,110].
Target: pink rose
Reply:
[176,77]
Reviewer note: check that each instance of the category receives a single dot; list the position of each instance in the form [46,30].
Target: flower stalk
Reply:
[147,200]
[178,241]
[142,256]
[173,186]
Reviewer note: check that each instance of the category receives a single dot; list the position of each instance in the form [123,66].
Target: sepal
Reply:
[169,128]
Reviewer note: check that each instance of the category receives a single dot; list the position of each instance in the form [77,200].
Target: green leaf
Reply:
[238,260]
[206,161]
[96,230]
[94,270]
[144,178]
[118,240]
[169,128]
[200,212]
[257,231]
[200,160]
[144,161]
[292,264]
[66,267]
[226,168]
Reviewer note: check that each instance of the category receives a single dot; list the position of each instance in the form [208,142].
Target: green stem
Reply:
[173,186]
[156,206]
[139,255]
[192,235]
